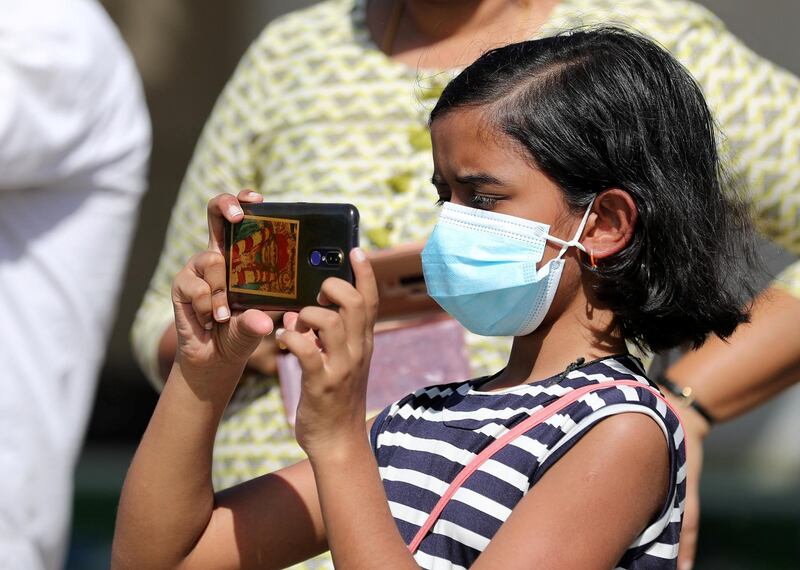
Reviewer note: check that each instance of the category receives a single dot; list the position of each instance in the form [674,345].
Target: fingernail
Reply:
[252,194]
[222,313]
[687,565]
[208,326]
[319,301]
[278,334]
[234,211]
[358,254]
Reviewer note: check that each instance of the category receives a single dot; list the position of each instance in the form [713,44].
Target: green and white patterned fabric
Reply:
[316,112]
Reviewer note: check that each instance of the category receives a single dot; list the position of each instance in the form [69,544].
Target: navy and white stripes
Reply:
[424,440]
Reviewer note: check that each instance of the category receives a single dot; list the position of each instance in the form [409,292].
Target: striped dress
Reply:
[424,440]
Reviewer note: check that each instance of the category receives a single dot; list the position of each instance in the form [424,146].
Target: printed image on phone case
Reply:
[263,259]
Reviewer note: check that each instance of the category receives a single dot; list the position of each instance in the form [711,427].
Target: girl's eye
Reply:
[483,202]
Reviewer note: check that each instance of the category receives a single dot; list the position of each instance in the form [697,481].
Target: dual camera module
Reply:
[325,258]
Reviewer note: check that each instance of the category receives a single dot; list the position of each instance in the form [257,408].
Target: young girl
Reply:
[582,210]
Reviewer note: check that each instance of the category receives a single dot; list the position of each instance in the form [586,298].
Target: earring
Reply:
[592,260]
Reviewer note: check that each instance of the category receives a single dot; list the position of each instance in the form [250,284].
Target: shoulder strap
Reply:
[539,417]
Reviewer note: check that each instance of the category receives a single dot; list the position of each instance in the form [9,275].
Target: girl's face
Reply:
[476,165]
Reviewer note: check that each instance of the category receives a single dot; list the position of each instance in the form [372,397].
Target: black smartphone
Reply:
[280,253]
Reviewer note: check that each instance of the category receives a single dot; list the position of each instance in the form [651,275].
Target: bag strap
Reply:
[527,424]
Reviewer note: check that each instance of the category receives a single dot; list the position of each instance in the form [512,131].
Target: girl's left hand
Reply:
[334,348]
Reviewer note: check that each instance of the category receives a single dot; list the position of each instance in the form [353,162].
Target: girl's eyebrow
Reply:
[479,179]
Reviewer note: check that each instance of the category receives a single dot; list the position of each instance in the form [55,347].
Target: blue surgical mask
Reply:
[480,266]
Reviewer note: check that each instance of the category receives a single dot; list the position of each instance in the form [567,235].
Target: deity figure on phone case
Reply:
[263,258]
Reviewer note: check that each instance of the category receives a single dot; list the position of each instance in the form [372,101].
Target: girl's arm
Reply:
[334,349]
[168,515]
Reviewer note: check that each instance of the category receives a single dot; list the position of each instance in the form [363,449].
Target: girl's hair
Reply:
[605,108]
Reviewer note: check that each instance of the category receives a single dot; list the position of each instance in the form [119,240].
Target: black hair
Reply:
[607,108]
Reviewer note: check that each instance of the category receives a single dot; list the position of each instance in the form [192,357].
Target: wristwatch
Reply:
[685,396]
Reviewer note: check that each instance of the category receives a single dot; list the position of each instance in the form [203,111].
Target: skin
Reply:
[605,489]
[442,34]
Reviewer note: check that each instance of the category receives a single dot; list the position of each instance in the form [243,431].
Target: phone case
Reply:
[278,256]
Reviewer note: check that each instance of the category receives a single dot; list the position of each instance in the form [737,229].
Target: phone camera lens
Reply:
[333,258]
[315,258]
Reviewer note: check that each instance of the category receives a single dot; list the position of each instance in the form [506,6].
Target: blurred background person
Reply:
[330,104]
[74,145]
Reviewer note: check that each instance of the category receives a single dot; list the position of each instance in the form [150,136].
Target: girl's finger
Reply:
[289,322]
[220,208]
[330,329]
[191,290]
[304,348]
[186,289]
[250,197]
[254,324]
[352,309]
[365,283]
[211,267]
[323,300]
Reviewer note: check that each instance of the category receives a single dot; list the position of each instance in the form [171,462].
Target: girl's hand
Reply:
[334,348]
[209,336]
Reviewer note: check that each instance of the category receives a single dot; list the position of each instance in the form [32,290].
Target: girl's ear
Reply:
[610,224]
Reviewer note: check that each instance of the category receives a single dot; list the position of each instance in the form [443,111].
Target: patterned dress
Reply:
[316,112]
[423,441]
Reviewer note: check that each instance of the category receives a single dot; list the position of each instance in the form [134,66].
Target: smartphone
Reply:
[280,253]
[401,285]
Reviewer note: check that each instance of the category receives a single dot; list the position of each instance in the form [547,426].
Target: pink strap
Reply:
[522,427]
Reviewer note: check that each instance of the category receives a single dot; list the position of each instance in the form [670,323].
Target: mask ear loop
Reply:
[565,245]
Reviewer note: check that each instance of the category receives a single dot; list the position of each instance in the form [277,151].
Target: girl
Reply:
[582,209]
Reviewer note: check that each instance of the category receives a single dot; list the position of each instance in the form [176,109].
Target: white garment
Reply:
[74,145]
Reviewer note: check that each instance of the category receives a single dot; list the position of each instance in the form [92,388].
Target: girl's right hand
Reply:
[210,336]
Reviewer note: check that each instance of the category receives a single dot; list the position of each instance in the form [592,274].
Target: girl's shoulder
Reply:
[619,388]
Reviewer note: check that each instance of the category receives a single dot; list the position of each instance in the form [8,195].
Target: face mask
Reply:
[480,267]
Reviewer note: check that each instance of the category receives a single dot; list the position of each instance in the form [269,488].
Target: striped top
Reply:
[424,440]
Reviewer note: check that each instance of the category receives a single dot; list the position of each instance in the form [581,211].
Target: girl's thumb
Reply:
[247,329]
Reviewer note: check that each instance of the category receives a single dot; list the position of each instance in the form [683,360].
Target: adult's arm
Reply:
[760,360]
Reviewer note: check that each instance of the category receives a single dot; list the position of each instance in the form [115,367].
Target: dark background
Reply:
[186,50]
